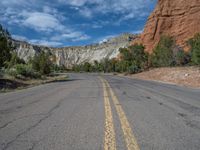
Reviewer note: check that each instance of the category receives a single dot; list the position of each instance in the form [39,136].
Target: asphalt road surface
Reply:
[97,112]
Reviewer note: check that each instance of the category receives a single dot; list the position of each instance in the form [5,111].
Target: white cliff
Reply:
[69,56]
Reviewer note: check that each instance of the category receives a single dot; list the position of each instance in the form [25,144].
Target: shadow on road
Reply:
[11,84]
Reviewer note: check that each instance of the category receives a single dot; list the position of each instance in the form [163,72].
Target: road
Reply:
[97,112]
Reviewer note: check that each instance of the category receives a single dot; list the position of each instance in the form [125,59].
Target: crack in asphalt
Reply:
[48,114]
[14,109]
[16,119]
[188,107]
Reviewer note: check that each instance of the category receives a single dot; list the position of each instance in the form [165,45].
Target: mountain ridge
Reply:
[69,56]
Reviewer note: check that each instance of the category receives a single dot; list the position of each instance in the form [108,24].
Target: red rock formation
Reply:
[177,18]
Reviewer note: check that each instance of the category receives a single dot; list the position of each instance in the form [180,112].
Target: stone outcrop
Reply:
[69,56]
[177,18]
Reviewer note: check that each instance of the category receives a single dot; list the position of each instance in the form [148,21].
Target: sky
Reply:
[60,23]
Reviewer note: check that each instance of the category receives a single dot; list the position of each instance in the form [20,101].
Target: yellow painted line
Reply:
[109,137]
[130,139]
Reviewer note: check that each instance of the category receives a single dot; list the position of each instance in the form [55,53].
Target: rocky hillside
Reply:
[177,18]
[69,56]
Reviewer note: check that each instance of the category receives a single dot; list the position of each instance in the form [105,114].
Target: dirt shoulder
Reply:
[185,76]
[10,84]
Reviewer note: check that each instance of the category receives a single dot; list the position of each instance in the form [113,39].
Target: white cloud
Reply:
[42,42]
[20,37]
[47,9]
[77,3]
[13,2]
[106,38]
[95,26]
[86,12]
[137,31]
[53,23]
[45,42]
[71,36]
[81,38]
[42,22]
[128,8]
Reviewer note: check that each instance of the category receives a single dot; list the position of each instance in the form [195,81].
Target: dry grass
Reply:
[8,84]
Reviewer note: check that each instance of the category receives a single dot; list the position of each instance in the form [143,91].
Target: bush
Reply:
[122,66]
[195,49]
[138,56]
[14,60]
[12,72]
[5,49]
[56,68]
[41,63]
[133,69]
[22,70]
[2,72]
[126,54]
[162,55]
[134,59]
[87,67]
[181,58]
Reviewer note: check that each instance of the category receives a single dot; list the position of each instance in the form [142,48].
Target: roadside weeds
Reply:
[11,84]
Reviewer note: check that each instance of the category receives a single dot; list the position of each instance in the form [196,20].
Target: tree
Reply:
[126,54]
[87,67]
[162,55]
[105,65]
[134,59]
[96,66]
[138,56]
[5,47]
[181,57]
[14,60]
[42,63]
[195,49]
[5,51]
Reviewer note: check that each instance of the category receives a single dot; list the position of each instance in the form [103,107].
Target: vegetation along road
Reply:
[93,112]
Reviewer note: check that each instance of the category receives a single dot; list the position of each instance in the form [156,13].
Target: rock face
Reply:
[69,56]
[25,50]
[177,18]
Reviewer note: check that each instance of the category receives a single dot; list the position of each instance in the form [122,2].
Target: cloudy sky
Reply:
[73,22]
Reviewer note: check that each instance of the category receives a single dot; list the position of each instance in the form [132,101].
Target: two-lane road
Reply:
[96,112]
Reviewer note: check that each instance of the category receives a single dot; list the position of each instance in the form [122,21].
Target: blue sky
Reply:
[60,23]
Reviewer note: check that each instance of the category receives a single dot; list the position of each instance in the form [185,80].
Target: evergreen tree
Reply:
[5,47]
[162,55]
[195,49]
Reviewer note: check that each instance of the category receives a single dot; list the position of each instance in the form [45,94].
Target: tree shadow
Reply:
[10,84]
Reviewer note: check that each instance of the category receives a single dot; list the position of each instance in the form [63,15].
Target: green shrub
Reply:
[126,54]
[14,60]
[162,55]
[133,69]
[41,63]
[195,49]
[12,72]
[181,58]
[122,66]
[56,68]
[1,73]
[23,70]
[5,49]
[134,59]
[97,67]
[138,56]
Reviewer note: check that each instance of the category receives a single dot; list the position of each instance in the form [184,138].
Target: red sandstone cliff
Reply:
[177,18]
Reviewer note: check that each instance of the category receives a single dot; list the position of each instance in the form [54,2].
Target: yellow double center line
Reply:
[109,140]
